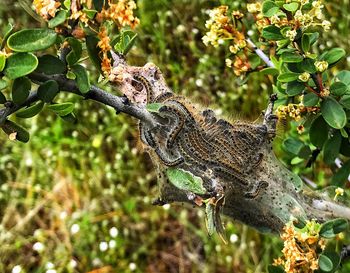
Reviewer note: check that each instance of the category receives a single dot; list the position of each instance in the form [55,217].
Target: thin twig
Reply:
[120,104]
[260,53]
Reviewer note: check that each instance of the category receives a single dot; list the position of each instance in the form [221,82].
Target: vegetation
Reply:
[77,196]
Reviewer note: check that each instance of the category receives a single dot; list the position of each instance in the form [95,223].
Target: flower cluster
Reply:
[46,8]
[121,13]
[301,248]
[105,47]
[222,28]
[309,14]
[295,111]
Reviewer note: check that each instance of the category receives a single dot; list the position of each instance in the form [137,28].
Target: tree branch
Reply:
[120,104]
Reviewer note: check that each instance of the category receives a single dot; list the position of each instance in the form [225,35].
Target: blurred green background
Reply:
[77,198]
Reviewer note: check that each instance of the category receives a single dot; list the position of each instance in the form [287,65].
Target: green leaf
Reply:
[345,145]
[154,107]
[76,50]
[310,99]
[305,42]
[318,132]
[2,61]
[28,40]
[82,78]
[272,33]
[48,90]
[325,263]
[91,46]
[124,41]
[281,44]
[296,147]
[295,88]
[345,101]
[269,71]
[338,88]
[209,218]
[20,90]
[331,228]
[20,64]
[71,118]
[185,180]
[292,7]
[331,148]
[8,32]
[30,111]
[314,37]
[62,109]
[50,65]
[334,55]
[269,8]
[307,65]
[344,77]
[340,178]
[59,18]
[333,113]
[3,84]
[288,77]
[98,4]
[2,98]
[275,269]
[289,57]
[10,127]
[90,13]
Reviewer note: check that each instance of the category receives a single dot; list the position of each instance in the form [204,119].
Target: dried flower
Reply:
[324,92]
[104,45]
[121,13]
[46,8]
[301,248]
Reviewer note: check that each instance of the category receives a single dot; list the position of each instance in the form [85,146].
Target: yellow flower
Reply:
[121,13]
[304,77]
[321,66]
[338,191]
[326,25]
[325,92]
[301,248]
[46,8]
[254,8]
[291,34]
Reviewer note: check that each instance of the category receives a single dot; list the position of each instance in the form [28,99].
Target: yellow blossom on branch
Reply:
[121,13]
[105,47]
[295,111]
[301,248]
[46,8]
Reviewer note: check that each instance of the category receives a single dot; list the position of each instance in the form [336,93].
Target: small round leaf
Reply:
[82,78]
[20,90]
[20,64]
[30,111]
[62,109]
[48,90]
[29,40]
[333,113]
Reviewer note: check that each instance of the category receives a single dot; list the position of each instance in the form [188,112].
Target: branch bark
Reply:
[120,104]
